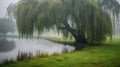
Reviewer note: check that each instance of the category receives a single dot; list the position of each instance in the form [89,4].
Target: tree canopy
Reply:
[6,25]
[85,20]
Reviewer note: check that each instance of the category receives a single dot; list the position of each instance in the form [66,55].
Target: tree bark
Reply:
[78,38]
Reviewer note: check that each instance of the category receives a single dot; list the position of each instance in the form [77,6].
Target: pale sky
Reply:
[5,3]
[3,6]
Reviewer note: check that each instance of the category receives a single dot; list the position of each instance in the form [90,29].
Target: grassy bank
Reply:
[107,55]
[60,39]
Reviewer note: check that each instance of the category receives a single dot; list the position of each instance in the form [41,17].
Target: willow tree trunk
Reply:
[78,37]
[80,41]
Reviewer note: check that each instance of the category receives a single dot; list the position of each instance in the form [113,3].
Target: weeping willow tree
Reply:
[84,20]
[6,26]
[112,7]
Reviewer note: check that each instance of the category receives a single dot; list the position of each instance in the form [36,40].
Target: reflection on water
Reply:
[6,45]
[10,47]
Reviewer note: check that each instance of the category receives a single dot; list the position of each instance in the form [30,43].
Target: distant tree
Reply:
[85,20]
[112,7]
[6,25]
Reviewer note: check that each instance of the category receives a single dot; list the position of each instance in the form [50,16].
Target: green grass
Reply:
[107,55]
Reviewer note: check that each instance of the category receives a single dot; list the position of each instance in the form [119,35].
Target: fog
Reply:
[3,6]
[5,3]
[11,47]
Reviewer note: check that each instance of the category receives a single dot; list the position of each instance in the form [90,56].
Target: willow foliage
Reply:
[85,17]
[111,6]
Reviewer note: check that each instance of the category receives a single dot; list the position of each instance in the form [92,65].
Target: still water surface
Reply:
[9,47]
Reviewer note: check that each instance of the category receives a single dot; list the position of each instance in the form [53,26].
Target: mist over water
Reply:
[29,45]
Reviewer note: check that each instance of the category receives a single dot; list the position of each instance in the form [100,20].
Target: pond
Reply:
[10,47]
